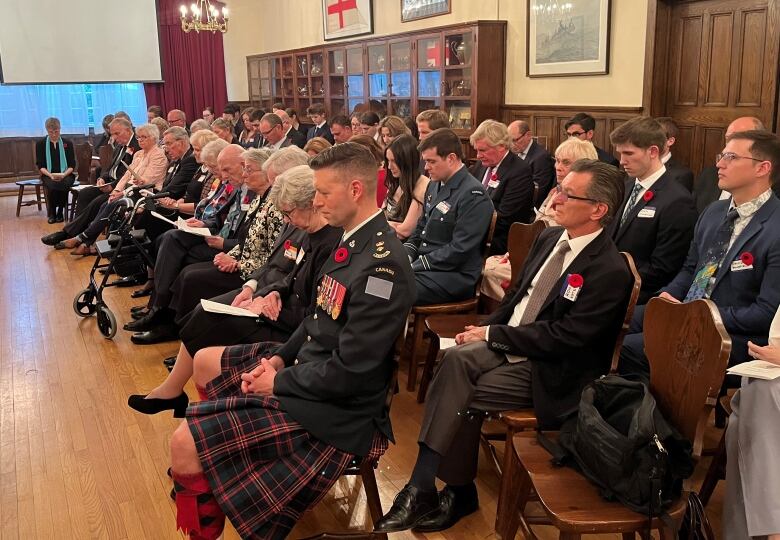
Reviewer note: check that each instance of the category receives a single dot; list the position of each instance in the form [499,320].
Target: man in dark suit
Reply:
[552,335]
[506,178]
[446,246]
[676,170]
[323,390]
[290,133]
[583,126]
[273,132]
[92,198]
[655,222]
[340,129]
[317,115]
[706,190]
[734,259]
[540,161]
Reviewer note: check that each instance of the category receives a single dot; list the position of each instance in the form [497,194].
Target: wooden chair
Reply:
[105,153]
[688,350]
[365,469]
[421,313]
[519,241]
[83,177]
[21,201]
[717,468]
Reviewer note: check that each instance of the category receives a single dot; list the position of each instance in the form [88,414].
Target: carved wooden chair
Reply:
[421,313]
[688,349]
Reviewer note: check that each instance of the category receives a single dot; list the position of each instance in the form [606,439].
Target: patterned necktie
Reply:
[704,280]
[547,279]
[631,202]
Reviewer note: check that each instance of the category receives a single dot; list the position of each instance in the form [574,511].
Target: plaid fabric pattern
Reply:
[265,470]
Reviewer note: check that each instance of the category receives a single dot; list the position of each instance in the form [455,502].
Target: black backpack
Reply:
[620,441]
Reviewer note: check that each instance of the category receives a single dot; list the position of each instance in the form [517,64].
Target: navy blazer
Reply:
[747,299]
[542,169]
[512,197]
[323,132]
[571,342]
[658,242]
[680,173]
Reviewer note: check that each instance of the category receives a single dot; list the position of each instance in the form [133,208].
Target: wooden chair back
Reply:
[632,300]
[688,349]
[489,236]
[83,162]
[521,238]
[105,153]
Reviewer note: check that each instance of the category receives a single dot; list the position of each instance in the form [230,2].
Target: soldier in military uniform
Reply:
[445,248]
[282,423]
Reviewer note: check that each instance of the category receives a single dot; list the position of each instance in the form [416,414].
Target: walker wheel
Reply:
[84,304]
[106,321]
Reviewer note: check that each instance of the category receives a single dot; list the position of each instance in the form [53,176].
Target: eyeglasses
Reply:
[265,133]
[575,133]
[563,196]
[728,157]
[288,213]
[249,170]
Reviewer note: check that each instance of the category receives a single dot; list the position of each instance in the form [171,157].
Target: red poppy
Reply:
[648,196]
[229,189]
[575,280]
[505,284]
[340,255]
[287,244]
[747,258]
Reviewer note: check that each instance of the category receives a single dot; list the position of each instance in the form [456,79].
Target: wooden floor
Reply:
[77,463]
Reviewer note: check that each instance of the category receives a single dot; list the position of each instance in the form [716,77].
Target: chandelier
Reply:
[203,16]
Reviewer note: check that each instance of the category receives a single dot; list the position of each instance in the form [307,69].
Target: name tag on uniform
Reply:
[493,184]
[647,212]
[380,288]
[443,207]
[245,207]
[738,266]
[571,293]
[291,252]
[299,258]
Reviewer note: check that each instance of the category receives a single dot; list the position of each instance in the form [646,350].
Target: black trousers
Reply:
[201,280]
[177,250]
[89,204]
[57,193]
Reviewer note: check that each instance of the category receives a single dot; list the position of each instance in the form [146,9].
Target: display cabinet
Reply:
[401,74]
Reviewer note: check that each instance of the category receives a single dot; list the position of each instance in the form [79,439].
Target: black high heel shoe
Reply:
[155,405]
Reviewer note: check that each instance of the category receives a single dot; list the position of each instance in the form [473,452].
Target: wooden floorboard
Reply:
[77,463]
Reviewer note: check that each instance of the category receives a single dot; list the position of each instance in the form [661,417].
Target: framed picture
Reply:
[347,18]
[567,38]
[411,10]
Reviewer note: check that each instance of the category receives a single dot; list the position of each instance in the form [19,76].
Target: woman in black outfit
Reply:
[281,306]
[56,160]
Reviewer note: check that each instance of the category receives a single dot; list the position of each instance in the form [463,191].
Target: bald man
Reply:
[706,188]
[296,137]
[535,156]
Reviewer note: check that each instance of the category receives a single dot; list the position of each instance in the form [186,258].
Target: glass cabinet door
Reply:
[400,87]
[378,77]
[336,73]
[430,60]
[355,78]
[316,76]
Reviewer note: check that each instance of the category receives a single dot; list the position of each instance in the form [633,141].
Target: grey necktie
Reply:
[545,283]
[631,202]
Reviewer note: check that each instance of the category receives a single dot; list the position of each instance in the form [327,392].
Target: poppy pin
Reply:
[287,244]
[340,255]
[648,196]
[505,284]
[746,258]
[575,280]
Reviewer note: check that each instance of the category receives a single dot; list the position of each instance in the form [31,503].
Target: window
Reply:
[80,107]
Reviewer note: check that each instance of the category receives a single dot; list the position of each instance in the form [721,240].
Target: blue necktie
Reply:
[704,280]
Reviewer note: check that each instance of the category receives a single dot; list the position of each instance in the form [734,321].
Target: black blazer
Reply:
[297,138]
[571,343]
[659,238]
[681,173]
[606,157]
[542,169]
[279,263]
[324,132]
[338,365]
[179,174]
[512,198]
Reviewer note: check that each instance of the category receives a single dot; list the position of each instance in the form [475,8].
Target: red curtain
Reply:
[193,66]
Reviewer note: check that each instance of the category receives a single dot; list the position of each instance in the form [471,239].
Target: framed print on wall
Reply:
[411,10]
[347,18]
[567,38]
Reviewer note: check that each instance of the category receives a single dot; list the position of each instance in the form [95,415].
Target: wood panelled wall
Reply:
[547,123]
[17,157]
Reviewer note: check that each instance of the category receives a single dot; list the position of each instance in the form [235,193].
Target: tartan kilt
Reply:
[264,468]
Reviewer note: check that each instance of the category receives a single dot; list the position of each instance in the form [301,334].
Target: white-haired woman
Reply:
[56,160]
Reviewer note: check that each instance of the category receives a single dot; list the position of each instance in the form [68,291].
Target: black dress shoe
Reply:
[52,219]
[130,281]
[136,315]
[170,361]
[140,293]
[409,507]
[53,238]
[155,405]
[59,219]
[452,507]
[154,317]
[136,309]
[158,334]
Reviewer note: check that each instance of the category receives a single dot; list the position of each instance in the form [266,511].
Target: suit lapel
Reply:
[656,188]
[531,268]
[577,266]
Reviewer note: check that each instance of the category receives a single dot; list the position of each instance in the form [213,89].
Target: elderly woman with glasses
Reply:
[498,271]
[280,305]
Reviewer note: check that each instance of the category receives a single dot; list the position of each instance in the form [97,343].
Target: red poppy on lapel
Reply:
[575,280]
[746,258]
[340,255]
[648,196]
[287,244]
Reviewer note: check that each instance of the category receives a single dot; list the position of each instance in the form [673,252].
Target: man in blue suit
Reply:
[734,259]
